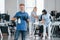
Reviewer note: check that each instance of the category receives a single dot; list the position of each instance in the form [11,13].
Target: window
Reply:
[29,4]
[40,6]
[2,6]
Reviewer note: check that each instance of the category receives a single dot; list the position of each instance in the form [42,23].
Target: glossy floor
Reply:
[27,38]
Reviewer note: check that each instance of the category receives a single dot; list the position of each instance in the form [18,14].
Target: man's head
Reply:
[22,7]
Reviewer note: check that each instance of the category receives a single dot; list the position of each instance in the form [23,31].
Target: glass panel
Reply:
[2,6]
[29,10]
[30,3]
[40,6]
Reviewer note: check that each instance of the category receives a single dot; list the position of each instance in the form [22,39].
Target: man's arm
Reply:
[13,19]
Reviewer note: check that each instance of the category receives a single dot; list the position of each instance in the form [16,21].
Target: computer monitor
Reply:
[52,13]
[6,17]
[58,15]
[0,16]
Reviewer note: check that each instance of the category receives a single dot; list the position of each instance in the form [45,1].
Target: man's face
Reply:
[22,8]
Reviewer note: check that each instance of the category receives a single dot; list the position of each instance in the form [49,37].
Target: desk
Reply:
[36,25]
[39,23]
[1,24]
[4,25]
[54,24]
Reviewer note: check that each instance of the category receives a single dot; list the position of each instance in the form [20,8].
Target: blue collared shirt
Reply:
[23,17]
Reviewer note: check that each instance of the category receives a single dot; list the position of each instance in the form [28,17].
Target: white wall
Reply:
[11,7]
[2,6]
[49,5]
[52,5]
[58,5]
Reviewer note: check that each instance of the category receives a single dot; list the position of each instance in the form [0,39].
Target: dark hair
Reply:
[35,7]
[45,12]
[21,4]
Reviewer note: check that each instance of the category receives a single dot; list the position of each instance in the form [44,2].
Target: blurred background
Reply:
[8,9]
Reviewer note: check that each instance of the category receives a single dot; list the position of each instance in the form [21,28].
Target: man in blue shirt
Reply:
[22,23]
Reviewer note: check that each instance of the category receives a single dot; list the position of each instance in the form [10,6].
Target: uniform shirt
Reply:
[46,19]
[23,17]
[32,18]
